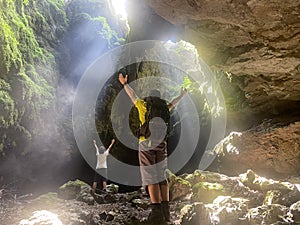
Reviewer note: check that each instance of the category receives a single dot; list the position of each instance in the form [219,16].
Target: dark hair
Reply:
[102,149]
[123,71]
[155,93]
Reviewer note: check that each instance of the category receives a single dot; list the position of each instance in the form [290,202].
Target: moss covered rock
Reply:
[179,187]
[228,210]
[71,189]
[269,214]
[206,192]
[295,210]
[272,197]
[192,214]
[257,182]
[205,176]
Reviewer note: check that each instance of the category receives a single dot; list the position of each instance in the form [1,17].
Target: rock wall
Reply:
[256,41]
[45,47]
[254,48]
[266,149]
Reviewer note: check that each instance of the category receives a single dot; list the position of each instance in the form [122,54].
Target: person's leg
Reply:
[104,184]
[147,158]
[95,183]
[156,214]
[154,193]
[163,184]
[161,167]
[94,187]
[104,178]
[164,190]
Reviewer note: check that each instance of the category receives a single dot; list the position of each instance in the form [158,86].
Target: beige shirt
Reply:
[101,159]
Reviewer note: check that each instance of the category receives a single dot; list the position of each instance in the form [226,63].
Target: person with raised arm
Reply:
[153,147]
[101,167]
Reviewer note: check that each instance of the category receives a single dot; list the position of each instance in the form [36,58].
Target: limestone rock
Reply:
[112,188]
[207,192]
[295,210]
[193,213]
[204,176]
[230,186]
[228,210]
[256,41]
[273,150]
[268,214]
[179,187]
[240,206]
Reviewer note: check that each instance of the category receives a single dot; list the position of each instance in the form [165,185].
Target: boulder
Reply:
[112,188]
[207,192]
[179,187]
[269,214]
[71,189]
[228,210]
[295,211]
[272,150]
[191,214]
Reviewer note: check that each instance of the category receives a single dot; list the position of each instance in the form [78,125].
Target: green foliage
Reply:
[107,33]
[234,97]
[9,47]
[95,16]
[8,112]
[189,85]
[26,82]
[98,30]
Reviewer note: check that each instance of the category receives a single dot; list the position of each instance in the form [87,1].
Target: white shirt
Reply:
[101,158]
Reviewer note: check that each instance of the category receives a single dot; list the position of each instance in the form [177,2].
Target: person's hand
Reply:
[94,141]
[122,79]
[113,141]
[183,91]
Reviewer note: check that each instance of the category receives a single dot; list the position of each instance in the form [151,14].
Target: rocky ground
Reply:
[203,197]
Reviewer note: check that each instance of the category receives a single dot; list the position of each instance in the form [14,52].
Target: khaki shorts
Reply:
[153,162]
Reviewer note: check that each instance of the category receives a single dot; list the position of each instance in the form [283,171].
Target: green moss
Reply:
[27,84]
[101,27]
[71,189]
[176,179]
[9,47]
[93,16]
[207,192]
[9,113]
[77,183]
[208,186]
[272,197]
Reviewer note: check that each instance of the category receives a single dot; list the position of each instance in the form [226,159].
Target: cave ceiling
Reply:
[256,41]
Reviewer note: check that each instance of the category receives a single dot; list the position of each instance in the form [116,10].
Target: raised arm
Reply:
[176,100]
[111,144]
[96,147]
[130,92]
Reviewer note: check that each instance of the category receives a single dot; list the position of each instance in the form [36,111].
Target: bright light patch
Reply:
[119,8]
[231,149]
[170,42]
[42,217]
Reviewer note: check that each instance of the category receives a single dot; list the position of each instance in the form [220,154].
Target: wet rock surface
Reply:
[213,199]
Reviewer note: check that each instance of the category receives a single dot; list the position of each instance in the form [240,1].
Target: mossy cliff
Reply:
[43,45]
[27,65]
